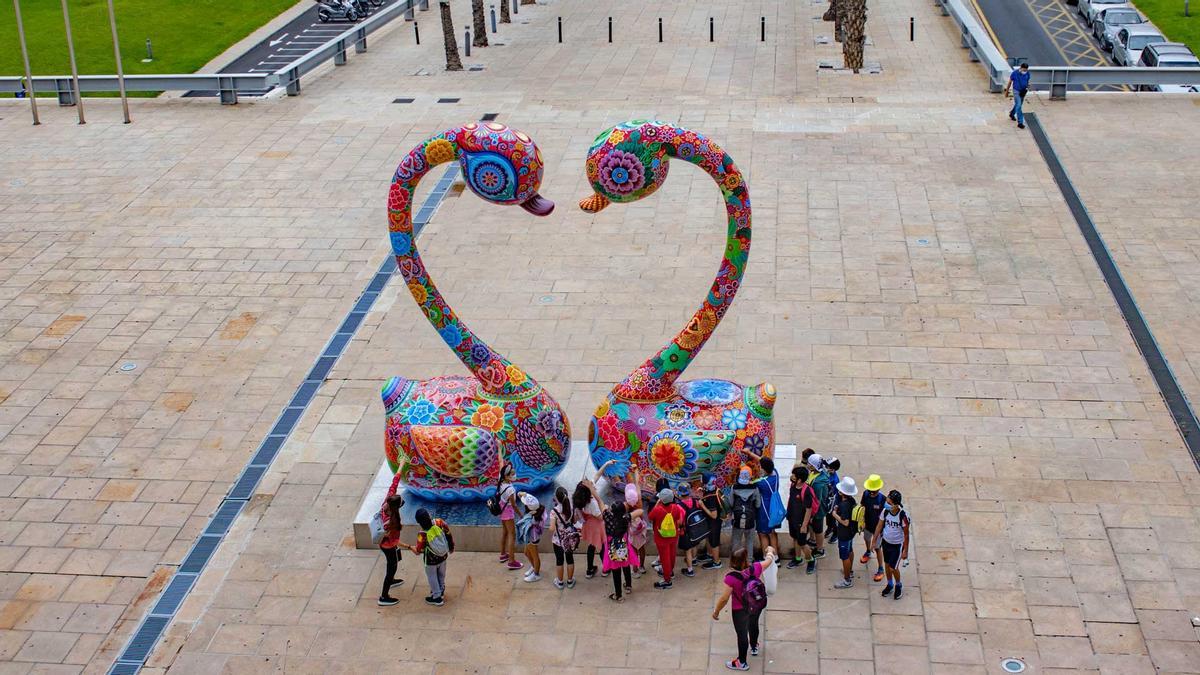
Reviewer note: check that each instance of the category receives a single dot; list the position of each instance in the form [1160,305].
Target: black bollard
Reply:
[660,29]
[493,10]
[710,29]
[610,30]
[560,30]
[912,28]
[467,40]
[762,33]
[516,7]
[417,32]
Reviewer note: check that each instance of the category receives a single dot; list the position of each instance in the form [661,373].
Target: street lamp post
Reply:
[74,69]
[25,57]
[112,23]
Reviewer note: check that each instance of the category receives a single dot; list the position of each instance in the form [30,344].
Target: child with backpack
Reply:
[832,466]
[564,536]
[695,527]
[846,518]
[618,557]
[771,511]
[744,586]
[802,508]
[891,535]
[639,527]
[667,517]
[529,532]
[713,506]
[873,503]
[437,543]
[591,509]
[504,505]
[820,485]
[743,512]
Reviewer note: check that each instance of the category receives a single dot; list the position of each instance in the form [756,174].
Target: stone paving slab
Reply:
[919,294]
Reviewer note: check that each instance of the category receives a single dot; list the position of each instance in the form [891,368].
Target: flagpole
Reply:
[112,22]
[74,69]
[25,56]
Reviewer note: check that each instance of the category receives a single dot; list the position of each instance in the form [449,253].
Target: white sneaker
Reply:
[528,572]
[559,584]
[533,577]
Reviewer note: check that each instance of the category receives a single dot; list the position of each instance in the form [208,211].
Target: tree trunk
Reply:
[452,60]
[855,26]
[479,39]
[504,15]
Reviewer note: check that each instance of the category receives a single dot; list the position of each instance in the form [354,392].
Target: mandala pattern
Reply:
[648,422]
[446,437]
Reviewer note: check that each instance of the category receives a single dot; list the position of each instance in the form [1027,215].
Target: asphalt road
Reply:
[1044,32]
[300,36]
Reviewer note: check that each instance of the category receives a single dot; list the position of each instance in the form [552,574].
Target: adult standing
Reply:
[389,545]
[667,518]
[743,585]
[1018,86]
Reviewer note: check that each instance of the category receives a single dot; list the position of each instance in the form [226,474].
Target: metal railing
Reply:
[1055,79]
[227,85]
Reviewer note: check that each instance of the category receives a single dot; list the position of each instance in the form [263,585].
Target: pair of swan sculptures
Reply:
[446,438]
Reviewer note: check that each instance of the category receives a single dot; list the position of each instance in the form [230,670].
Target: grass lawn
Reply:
[1168,15]
[186,33]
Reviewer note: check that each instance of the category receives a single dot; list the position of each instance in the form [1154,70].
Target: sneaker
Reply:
[533,577]
[793,564]
[436,602]
[528,572]
[638,572]
[713,565]
[737,665]
[559,584]
[662,585]
[570,583]
[590,573]
[1012,117]
[844,583]
[818,554]
[514,565]
[812,567]
[703,557]
[878,575]
[604,573]
[386,602]
[1020,126]
[656,565]
[753,650]
[689,572]
[503,557]
[887,590]
[866,558]
[899,591]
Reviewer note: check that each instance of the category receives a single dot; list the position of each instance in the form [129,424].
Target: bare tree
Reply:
[452,60]
[504,15]
[479,39]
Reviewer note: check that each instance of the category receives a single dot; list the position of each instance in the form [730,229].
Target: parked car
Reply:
[1111,20]
[1089,8]
[1168,55]
[1131,40]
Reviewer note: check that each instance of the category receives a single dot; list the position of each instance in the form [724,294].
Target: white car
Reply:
[1112,19]
[1168,55]
[1127,48]
[1089,8]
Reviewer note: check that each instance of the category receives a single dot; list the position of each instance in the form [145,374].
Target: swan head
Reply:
[502,166]
[626,163]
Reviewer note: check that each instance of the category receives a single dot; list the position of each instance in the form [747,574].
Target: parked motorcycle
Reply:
[330,10]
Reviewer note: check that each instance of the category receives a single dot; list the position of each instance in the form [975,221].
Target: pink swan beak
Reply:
[538,205]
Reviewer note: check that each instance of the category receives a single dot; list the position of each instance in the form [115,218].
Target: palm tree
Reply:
[504,15]
[452,60]
[479,39]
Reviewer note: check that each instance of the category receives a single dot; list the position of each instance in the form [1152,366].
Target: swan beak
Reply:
[538,205]
[594,203]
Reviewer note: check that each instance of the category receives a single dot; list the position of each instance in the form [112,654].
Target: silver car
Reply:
[1127,48]
[1168,55]
[1089,8]
[1111,20]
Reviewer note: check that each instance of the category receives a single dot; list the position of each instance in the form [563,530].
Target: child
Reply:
[508,517]
[714,512]
[692,527]
[586,503]
[529,531]
[436,542]
[802,506]
[831,475]
[744,512]
[618,556]
[390,545]
[639,529]
[771,510]
[892,532]
[847,528]
[667,518]
[873,503]
[565,536]
[820,485]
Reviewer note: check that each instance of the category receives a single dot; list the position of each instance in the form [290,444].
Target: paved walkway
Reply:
[918,293]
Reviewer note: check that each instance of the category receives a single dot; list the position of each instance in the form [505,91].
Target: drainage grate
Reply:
[448,100]
[475,69]
[136,651]
[403,100]
[489,117]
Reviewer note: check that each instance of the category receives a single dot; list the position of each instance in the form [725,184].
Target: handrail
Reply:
[981,45]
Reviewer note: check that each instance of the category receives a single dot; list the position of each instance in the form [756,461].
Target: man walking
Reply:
[1018,86]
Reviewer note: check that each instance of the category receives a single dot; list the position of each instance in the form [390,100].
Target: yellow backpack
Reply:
[859,515]
[666,529]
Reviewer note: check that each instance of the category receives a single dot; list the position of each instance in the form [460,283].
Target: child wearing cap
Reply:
[820,485]
[832,466]
[744,512]
[891,534]
[873,503]
[688,544]
[529,530]
[714,511]
[667,518]
[847,528]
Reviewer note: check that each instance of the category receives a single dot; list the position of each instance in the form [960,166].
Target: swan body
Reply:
[446,437]
[649,422]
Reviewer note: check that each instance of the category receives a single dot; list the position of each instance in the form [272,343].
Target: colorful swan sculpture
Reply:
[447,436]
[649,422]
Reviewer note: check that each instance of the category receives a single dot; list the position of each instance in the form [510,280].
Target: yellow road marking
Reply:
[988,27]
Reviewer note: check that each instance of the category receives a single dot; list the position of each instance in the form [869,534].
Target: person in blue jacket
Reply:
[771,509]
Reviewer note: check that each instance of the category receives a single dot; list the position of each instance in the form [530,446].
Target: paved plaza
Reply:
[918,292]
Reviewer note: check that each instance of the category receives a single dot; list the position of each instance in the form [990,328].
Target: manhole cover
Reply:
[1013,665]
[128,366]
[546,299]
[922,242]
